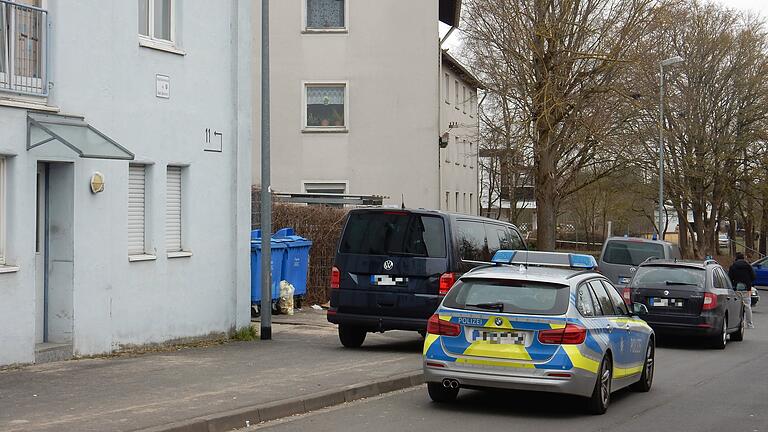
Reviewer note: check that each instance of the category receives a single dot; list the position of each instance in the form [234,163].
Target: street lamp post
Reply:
[664,63]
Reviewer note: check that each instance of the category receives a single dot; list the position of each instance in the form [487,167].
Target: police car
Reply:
[538,321]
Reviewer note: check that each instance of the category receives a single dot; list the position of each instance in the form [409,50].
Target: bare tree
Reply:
[561,62]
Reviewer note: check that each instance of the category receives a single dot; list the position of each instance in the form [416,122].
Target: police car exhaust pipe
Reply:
[450,383]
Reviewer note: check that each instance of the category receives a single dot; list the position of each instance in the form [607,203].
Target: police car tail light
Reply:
[571,334]
[710,301]
[335,277]
[436,326]
[627,294]
[446,282]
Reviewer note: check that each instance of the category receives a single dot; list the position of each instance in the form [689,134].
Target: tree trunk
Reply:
[682,233]
[764,226]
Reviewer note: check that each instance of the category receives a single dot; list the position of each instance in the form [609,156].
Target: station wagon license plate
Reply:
[665,302]
[498,337]
[388,280]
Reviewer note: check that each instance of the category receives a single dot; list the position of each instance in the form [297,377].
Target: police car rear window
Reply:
[394,233]
[509,296]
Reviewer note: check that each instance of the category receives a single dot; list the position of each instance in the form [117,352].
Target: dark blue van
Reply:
[392,267]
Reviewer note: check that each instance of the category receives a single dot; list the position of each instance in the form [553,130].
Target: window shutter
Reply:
[173,210]
[136,209]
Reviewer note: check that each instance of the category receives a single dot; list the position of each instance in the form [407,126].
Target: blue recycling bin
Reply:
[278,250]
[296,263]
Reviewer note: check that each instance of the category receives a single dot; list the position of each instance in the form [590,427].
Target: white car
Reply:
[723,241]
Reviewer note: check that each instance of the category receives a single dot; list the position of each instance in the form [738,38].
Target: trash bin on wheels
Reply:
[296,262]
[278,249]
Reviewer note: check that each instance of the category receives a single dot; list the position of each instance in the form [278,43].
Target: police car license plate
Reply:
[499,337]
[388,280]
[665,302]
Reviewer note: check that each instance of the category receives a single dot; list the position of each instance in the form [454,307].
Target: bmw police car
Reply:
[538,321]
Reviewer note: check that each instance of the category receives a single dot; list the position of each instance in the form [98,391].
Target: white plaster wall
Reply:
[459,176]
[99,71]
[389,57]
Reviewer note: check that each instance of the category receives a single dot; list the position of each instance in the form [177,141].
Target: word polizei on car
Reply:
[538,321]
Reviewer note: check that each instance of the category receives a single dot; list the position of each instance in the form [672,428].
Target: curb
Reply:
[235,419]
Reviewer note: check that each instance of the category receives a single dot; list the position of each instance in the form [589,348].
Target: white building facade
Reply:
[125,165]
[355,99]
[459,125]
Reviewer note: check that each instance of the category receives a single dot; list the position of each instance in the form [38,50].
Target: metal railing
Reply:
[23,49]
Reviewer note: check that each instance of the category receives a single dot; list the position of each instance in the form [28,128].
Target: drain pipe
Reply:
[439,116]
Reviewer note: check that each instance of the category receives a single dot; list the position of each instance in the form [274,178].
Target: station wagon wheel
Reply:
[601,395]
[646,378]
[719,341]
[739,335]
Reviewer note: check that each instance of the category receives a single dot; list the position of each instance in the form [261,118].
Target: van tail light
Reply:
[571,334]
[446,282]
[710,301]
[439,327]
[627,294]
[335,277]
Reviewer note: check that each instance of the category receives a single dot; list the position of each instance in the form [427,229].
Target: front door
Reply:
[54,263]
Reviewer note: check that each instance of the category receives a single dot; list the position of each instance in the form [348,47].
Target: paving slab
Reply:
[303,360]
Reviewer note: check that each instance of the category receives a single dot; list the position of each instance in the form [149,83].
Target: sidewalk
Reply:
[157,390]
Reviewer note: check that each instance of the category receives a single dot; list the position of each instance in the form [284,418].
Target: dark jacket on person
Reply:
[742,271]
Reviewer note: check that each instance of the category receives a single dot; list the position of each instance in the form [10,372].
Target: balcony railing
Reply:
[23,48]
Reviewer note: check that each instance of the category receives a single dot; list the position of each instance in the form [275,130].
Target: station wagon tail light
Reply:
[335,277]
[446,282]
[627,294]
[571,334]
[710,301]
[439,327]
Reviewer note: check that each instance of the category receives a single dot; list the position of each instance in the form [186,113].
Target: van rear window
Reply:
[509,296]
[394,233]
[631,252]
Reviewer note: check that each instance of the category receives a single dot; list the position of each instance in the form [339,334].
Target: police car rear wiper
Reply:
[680,283]
[498,306]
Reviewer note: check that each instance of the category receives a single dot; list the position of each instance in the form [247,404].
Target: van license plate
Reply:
[499,337]
[388,280]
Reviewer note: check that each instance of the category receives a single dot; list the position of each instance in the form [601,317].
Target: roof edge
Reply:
[465,74]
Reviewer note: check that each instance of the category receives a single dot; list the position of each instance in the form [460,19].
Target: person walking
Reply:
[743,276]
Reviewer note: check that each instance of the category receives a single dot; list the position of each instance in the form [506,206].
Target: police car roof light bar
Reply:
[544,259]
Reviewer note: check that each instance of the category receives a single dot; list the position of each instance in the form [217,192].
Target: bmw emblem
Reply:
[666,292]
[498,321]
[388,265]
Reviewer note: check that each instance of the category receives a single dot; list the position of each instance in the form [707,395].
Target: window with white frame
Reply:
[173,209]
[471,155]
[471,204]
[156,20]
[448,150]
[2,210]
[465,100]
[326,106]
[22,46]
[457,203]
[456,149]
[447,200]
[137,209]
[456,90]
[466,152]
[325,14]
[447,89]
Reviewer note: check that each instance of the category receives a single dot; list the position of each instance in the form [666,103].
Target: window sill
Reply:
[328,129]
[326,31]
[8,269]
[160,46]
[28,104]
[180,254]
[143,257]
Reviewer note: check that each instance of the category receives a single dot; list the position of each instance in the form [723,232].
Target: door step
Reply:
[52,352]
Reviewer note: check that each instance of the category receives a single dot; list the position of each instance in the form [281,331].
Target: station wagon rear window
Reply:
[653,276]
[394,233]
[509,296]
[631,252]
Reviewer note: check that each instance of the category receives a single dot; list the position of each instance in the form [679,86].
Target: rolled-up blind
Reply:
[136,209]
[173,210]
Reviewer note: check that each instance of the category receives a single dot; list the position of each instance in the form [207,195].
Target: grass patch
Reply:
[247,333]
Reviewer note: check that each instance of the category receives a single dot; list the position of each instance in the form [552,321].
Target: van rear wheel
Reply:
[351,336]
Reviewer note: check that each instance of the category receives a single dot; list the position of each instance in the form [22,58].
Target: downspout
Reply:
[478,186]
[439,115]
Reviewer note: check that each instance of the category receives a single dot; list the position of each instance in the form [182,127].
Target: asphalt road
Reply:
[695,389]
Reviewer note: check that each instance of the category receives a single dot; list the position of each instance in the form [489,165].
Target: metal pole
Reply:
[266,198]
[661,153]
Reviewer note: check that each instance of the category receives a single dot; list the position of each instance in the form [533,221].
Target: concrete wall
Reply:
[389,58]
[459,164]
[100,71]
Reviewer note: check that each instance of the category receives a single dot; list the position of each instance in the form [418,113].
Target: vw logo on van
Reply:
[666,292]
[632,269]
[388,265]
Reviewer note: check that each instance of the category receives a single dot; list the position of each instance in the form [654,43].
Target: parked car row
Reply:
[495,315]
